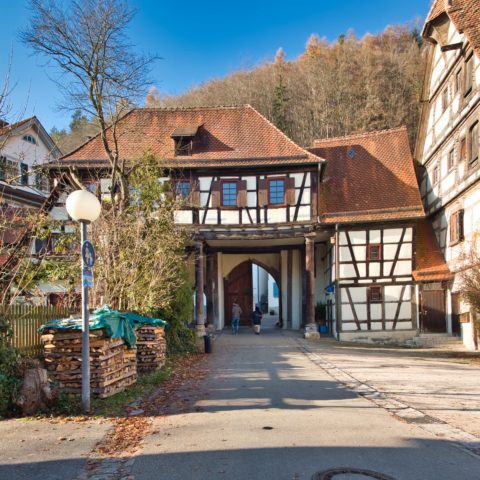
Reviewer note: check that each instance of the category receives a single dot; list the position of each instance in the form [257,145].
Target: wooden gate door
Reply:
[432,311]
[456,314]
[238,285]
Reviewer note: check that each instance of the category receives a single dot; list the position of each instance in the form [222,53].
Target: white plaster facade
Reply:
[447,148]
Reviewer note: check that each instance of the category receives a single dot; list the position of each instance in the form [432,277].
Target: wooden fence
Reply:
[26,320]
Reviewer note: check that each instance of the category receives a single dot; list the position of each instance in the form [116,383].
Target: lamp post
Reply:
[84,207]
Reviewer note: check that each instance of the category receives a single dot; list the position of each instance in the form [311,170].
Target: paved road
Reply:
[269,411]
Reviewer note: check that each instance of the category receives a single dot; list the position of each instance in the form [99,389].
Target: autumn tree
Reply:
[332,89]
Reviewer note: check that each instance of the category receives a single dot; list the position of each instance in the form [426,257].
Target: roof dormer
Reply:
[183,139]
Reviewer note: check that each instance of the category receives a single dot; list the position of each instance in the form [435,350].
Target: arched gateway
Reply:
[238,286]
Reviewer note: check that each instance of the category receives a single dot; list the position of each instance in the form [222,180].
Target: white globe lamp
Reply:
[83,206]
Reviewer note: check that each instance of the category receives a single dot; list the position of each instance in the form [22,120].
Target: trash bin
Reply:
[208,343]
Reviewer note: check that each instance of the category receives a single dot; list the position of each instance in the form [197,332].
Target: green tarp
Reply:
[116,324]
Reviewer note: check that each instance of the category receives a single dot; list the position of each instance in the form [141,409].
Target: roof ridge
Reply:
[202,107]
[361,135]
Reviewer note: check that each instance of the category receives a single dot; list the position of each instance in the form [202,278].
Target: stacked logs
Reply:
[113,366]
[151,348]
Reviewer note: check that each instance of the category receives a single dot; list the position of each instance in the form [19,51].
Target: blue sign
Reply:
[330,288]
[88,254]
[87,278]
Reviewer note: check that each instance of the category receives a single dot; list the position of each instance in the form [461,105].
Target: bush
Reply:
[10,378]
[180,338]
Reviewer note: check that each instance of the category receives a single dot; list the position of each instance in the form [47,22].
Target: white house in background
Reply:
[448,142]
[24,147]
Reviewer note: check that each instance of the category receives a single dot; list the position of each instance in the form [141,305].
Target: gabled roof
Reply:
[31,122]
[465,15]
[226,137]
[430,263]
[368,177]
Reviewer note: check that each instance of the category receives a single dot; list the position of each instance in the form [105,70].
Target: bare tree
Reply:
[97,69]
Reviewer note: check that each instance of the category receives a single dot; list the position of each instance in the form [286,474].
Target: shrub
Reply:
[10,378]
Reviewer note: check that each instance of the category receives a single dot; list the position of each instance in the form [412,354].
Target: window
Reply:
[276,291]
[276,192]
[374,252]
[229,194]
[457,81]
[444,99]
[375,294]
[29,139]
[41,182]
[456,227]
[451,159]
[182,189]
[473,143]
[468,75]
[24,174]
[463,149]
[8,169]
[436,175]
[183,146]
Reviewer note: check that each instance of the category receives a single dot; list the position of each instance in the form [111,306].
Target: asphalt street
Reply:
[268,411]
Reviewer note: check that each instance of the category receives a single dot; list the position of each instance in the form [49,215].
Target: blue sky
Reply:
[200,40]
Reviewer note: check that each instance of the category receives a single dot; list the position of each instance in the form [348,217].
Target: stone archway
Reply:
[237,286]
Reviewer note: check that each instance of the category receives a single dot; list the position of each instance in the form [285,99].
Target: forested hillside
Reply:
[353,85]
[349,86]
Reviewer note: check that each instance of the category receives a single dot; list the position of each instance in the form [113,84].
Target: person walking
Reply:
[257,320]
[236,312]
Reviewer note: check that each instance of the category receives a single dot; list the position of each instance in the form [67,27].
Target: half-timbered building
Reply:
[336,224]
[447,149]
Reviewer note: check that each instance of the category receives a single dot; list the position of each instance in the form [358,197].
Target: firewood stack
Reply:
[151,348]
[113,366]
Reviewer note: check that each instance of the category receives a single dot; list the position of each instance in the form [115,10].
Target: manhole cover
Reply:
[345,473]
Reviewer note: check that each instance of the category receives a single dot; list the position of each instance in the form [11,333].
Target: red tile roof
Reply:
[430,263]
[368,177]
[465,15]
[227,136]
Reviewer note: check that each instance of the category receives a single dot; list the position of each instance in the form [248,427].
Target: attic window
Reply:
[351,153]
[183,138]
[29,139]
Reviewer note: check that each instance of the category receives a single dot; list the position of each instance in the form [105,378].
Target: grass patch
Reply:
[114,406]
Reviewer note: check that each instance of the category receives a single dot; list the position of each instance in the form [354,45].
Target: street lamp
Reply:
[84,207]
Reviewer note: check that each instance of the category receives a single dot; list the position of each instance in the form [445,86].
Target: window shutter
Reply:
[263,192]
[215,189]
[290,190]
[195,194]
[242,193]
[460,225]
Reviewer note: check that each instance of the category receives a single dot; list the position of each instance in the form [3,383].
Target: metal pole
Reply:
[85,334]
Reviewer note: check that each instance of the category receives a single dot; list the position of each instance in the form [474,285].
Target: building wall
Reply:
[450,182]
[207,212]
[361,278]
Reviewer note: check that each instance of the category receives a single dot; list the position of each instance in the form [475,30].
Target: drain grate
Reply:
[337,474]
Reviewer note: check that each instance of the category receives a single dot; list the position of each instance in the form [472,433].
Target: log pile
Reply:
[113,367]
[151,348]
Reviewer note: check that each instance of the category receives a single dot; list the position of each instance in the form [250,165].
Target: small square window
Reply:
[183,146]
[374,252]
[276,192]
[456,227]
[229,194]
[451,159]
[182,189]
[375,294]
